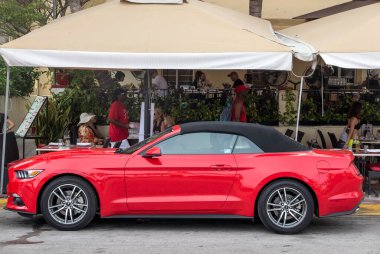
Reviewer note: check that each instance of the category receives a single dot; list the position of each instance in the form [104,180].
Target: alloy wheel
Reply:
[68,204]
[286,207]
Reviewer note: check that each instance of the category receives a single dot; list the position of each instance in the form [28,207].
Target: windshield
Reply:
[137,146]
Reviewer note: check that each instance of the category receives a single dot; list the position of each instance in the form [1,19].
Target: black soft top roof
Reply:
[265,137]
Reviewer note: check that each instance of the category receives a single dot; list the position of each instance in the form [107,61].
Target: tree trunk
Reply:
[75,5]
[255,7]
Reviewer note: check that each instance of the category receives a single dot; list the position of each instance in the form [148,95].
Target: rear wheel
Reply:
[68,203]
[286,207]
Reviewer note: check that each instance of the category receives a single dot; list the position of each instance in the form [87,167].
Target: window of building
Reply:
[342,77]
[177,78]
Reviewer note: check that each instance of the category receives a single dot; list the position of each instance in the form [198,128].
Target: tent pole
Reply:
[54,9]
[148,82]
[5,129]
[322,92]
[299,107]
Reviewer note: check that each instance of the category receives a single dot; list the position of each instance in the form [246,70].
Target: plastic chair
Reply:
[300,136]
[373,174]
[288,132]
[107,142]
[73,134]
[117,144]
[333,139]
[323,141]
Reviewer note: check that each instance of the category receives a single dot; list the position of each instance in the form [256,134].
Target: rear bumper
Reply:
[342,193]
[354,210]
[341,204]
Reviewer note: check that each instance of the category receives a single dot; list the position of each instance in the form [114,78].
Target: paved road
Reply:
[350,234]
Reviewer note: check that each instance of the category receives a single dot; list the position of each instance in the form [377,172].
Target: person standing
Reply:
[239,113]
[10,123]
[159,83]
[118,120]
[235,78]
[197,80]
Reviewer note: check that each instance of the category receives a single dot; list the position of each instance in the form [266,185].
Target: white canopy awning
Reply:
[349,39]
[126,35]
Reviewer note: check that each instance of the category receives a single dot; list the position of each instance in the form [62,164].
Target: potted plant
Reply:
[309,113]
[289,116]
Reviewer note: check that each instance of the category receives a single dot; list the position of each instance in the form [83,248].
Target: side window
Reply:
[244,145]
[199,143]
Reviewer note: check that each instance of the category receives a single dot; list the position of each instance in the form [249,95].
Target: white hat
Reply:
[373,73]
[85,118]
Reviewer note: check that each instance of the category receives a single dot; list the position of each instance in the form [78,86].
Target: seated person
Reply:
[168,120]
[87,131]
[157,121]
[372,81]
[200,81]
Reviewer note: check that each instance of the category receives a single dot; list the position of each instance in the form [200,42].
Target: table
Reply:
[361,155]
[52,148]
[370,142]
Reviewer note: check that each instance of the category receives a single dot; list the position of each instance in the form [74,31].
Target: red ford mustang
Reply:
[194,170]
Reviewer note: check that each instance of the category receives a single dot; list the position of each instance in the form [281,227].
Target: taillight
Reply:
[354,169]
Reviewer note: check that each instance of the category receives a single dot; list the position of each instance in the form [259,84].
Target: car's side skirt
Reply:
[179,216]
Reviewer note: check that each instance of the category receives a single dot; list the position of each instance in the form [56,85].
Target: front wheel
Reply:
[286,207]
[68,203]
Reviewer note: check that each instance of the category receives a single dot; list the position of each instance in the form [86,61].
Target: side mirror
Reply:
[153,152]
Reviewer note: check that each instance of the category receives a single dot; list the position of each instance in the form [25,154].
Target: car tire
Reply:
[286,207]
[68,203]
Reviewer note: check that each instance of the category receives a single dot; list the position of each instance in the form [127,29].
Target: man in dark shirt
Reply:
[235,78]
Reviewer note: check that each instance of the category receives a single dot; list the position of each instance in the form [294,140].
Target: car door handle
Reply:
[220,167]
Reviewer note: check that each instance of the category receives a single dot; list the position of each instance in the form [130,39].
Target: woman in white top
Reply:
[353,125]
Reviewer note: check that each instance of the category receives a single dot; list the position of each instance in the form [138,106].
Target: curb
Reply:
[3,202]
[369,210]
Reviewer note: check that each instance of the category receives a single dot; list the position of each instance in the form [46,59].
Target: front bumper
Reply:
[27,194]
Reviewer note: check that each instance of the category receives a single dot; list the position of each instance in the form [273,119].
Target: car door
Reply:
[195,172]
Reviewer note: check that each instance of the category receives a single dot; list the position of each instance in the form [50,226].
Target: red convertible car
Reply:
[194,170]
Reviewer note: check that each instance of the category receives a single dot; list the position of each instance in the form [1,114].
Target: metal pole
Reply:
[47,121]
[147,82]
[299,108]
[5,129]
[54,17]
[54,9]
[322,92]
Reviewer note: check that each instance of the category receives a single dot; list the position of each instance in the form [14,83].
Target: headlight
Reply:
[27,174]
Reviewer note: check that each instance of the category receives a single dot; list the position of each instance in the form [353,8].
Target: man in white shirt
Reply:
[159,84]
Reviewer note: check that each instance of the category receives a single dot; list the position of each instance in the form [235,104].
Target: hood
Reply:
[49,158]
